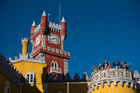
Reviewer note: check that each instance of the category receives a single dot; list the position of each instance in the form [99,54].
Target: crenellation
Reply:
[65,52]
[61,51]
[76,76]
[9,68]
[16,57]
[59,77]
[68,53]
[54,27]
[67,77]
[85,76]
[50,77]
[24,40]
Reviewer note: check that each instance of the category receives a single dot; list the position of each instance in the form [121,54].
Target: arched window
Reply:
[56,64]
[7,87]
[52,64]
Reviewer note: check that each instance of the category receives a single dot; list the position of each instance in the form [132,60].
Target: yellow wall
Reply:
[39,69]
[13,88]
[113,89]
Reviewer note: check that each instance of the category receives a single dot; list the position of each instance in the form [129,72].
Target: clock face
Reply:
[38,39]
[52,38]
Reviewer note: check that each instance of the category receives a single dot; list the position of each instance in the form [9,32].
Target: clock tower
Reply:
[47,40]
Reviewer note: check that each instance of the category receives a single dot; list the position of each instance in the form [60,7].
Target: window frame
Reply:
[28,78]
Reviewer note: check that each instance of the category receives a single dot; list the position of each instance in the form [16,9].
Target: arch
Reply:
[56,64]
[52,64]
[6,87]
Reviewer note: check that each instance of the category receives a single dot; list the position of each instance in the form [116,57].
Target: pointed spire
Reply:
[44,14]
[63,19]
[34,23]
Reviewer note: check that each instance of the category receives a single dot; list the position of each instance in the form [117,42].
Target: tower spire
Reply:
[34,23]
[44,14]
[63,19]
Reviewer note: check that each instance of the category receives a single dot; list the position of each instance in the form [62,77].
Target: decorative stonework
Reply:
[111,73]
[108,81]
[54,27]
[56,51]
[55,70]
[40,59]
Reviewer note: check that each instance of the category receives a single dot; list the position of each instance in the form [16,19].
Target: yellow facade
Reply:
[114,89]
[40,71]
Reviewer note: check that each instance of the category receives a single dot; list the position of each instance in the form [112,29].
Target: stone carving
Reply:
[111,74]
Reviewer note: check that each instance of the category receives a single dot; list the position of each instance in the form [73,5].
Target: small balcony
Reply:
[55,70]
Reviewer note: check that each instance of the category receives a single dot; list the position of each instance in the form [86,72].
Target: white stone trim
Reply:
[65,66]
[54,27]
[122,81]
[54,68]
[40,59]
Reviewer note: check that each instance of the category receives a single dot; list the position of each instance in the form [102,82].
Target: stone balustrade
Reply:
[55,70]
[111,73]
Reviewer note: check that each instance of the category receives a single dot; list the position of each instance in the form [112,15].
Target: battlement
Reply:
[8,69]
[40,59]
[67,78]
[54,27]
[24,39]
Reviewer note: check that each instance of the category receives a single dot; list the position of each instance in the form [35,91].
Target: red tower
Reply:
[48,41]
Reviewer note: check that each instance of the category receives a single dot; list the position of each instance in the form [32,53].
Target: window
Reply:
[7,87]
[29,77]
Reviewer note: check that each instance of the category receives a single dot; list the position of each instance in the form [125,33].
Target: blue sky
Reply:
[96,29]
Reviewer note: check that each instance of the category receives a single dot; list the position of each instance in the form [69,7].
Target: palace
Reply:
[45,69]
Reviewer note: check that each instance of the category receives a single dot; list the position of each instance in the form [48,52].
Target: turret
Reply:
[32,31]
[24,43]
[63,33]
[43,22]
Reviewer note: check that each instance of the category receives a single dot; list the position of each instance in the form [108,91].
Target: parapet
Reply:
[67,78]
[24,40]
[113,75]
[39,59]
[8,70]
[54,27]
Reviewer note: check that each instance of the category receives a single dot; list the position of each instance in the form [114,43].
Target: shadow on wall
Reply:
[33,88]
[29,88]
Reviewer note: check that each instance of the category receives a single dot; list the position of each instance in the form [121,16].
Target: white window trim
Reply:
[30,77]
